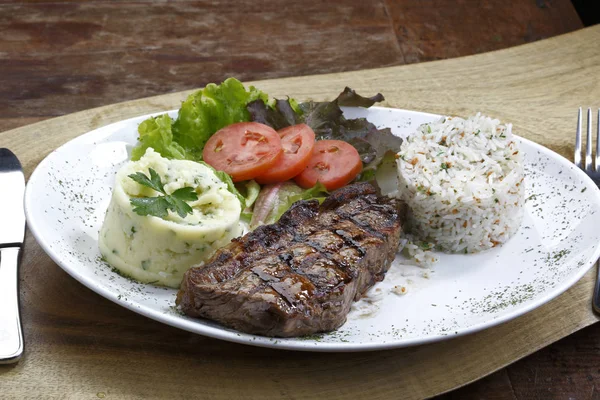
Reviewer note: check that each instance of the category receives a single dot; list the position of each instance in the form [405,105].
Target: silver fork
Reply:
[593,171]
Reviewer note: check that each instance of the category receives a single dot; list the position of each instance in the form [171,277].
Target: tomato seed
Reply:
[332,149]
[321,166]
[250,136]
[292,147]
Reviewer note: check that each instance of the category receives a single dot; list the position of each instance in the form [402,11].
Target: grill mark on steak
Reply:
[301,274]
[350,241]
[344,263]
[317,268]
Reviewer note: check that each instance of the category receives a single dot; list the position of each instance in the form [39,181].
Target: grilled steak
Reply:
[300,275]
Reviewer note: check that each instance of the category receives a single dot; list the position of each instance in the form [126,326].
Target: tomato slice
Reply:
[334,163]
[297,142]
[244,150]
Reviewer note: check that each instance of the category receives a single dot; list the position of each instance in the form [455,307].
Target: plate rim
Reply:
[223,333]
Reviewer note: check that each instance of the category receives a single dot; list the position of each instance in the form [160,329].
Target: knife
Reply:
[12,235]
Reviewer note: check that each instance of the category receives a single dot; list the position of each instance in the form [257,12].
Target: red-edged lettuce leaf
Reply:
[349,98]
[328,122]
[278,116]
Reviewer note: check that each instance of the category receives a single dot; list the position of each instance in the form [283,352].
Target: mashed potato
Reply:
[156,250]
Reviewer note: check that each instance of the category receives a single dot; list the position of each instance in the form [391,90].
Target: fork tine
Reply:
[597,160]
[577,156]
[588,147]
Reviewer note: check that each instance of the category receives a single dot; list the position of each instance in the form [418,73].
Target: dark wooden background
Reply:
[62,56]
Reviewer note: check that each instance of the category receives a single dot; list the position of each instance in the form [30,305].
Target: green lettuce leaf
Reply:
[156,132]
[202,114]
[250,191]
[386,176]
[275,199]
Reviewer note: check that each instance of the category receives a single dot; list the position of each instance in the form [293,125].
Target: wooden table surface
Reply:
[58,57]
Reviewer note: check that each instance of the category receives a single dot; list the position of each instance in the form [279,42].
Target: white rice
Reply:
[463,182]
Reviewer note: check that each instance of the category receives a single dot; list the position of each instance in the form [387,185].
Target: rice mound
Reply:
[463,182]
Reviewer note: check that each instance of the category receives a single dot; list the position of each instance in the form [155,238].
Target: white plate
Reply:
[557,243]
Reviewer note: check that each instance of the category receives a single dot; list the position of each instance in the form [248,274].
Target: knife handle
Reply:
[11,334]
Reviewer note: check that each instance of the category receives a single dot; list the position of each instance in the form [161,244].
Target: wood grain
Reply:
[62,56]
[80,345]
[567,369]
[105,52]
[459,28]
